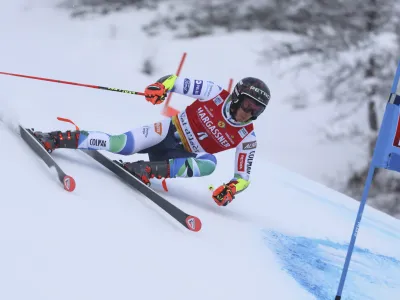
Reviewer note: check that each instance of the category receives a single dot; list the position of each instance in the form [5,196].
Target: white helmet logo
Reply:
[260,91]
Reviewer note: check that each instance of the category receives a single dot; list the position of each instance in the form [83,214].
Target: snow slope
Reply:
[106,241]
[284,238]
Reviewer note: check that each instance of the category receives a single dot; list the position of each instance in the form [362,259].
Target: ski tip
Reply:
[69,183]
[193,223]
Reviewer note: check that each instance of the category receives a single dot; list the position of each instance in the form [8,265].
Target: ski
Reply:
[190,222]
[29,138]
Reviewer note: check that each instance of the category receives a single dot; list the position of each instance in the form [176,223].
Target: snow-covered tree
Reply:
[81,8]
[192,18]
[357,45]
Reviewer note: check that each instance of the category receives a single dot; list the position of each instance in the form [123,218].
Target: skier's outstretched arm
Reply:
[194,88]
[244,157]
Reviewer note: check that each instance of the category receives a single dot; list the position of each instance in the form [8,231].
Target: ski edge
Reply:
[190,222]
[67,181]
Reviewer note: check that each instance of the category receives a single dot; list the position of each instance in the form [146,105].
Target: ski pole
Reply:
[75,83]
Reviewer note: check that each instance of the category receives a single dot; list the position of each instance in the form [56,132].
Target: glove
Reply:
[224,194]
[155,93]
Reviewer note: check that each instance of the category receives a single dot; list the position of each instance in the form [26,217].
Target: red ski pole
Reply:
[75,83]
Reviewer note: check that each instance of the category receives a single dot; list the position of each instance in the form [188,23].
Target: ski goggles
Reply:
[250,105]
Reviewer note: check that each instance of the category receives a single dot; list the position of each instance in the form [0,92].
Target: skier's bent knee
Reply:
[202,165]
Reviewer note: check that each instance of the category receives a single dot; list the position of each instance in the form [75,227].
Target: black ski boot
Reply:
[57,139]
[145,170]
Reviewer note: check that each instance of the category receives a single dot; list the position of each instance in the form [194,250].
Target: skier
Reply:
[183,146]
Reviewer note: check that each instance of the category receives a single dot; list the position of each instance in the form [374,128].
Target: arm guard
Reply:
[168,81]
[244,157]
